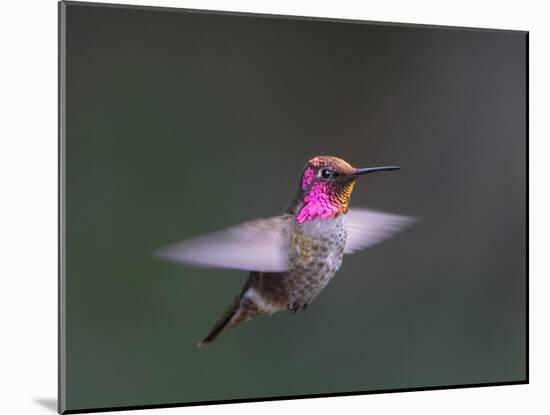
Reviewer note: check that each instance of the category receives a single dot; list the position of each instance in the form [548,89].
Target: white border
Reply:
[28,215]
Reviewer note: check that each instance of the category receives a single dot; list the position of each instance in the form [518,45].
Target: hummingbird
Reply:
[292,257]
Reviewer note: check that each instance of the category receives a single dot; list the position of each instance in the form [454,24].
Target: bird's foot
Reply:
[294,307]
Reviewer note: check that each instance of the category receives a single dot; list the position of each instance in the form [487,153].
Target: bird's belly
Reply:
[305,283]
[315,260]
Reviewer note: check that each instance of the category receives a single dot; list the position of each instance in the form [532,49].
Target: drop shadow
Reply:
[48,403]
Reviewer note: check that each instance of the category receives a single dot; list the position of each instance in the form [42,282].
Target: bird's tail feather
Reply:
[242,309]
[222,324]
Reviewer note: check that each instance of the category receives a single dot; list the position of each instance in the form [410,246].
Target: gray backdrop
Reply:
[182,123]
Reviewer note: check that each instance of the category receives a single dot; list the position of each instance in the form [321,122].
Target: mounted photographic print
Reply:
[258,207]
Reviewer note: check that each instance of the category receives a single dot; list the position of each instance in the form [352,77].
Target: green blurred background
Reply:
[182,123]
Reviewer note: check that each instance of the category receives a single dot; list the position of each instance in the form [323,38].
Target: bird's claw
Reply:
[295,307]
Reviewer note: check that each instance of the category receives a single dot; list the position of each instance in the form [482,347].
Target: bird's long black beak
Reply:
[359,172]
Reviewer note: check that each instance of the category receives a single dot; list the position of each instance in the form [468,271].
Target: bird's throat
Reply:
[325,201]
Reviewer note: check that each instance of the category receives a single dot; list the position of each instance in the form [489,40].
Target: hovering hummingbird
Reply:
[292,257]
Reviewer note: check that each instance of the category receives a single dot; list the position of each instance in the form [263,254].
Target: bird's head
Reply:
[326,186]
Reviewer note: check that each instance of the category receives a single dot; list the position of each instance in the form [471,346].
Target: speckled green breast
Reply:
[316,251]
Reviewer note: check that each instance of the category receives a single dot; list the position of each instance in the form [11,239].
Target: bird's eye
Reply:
[327,174]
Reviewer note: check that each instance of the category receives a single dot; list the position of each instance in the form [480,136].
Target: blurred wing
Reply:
[259,245]
[368,227]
